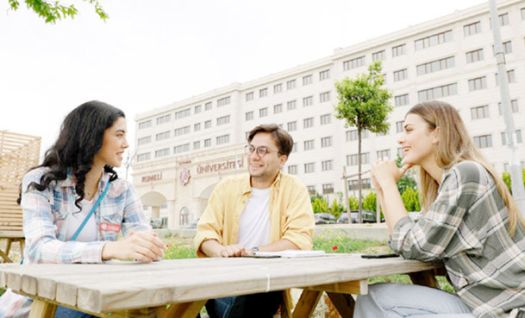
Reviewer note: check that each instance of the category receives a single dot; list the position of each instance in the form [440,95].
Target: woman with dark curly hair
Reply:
[75,205]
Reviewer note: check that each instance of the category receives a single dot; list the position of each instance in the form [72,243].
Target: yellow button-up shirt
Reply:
[291,215]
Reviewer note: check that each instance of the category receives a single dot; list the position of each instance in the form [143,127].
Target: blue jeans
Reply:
[63,312]
[261,305]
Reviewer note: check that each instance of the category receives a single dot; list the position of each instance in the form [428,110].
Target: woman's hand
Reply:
[139,246]
[385,171]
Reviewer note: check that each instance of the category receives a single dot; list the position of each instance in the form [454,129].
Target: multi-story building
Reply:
[184,149]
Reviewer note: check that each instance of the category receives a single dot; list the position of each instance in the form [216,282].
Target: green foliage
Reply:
[354,203]
[407,180]
[342,244]
[179,251]
[410,199]
[319,204]
[51,12]
[508,180]
[336,209]
[369,201]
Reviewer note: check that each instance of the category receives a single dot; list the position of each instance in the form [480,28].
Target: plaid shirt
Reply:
[466,228]
[45,228]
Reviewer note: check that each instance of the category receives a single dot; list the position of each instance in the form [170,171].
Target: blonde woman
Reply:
[469,222]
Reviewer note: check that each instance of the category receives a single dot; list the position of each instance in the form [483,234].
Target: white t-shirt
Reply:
[254,226]
[73,221]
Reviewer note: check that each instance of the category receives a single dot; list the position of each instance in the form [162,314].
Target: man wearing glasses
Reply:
[264,210]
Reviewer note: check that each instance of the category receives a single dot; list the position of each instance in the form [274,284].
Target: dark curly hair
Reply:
[81,136]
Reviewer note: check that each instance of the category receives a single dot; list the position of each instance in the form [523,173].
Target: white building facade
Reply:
[185,148]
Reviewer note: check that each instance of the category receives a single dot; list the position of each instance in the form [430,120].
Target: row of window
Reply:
[290,105]
[482,111]
[164,152]
[290,84]
[485,141]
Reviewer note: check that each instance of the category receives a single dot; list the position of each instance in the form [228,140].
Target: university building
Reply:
[185,148]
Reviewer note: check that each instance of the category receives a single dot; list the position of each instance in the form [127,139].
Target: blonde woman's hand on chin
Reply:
[142,246]
[386,171]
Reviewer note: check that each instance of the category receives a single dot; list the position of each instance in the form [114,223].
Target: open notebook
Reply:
[290,253]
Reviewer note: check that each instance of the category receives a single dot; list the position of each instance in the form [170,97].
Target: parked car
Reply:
[159,223]
[324,218]
[368,217]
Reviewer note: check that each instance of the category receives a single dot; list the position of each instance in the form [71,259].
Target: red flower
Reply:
[334,248]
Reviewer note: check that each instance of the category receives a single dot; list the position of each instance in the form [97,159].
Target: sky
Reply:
[149,54]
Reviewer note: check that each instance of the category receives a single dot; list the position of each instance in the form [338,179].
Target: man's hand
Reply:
[212,248]
[139,246]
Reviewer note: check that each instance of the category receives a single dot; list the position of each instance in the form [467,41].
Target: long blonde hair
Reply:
[455,145]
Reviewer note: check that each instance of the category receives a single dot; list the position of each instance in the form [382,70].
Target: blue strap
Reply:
[93,209]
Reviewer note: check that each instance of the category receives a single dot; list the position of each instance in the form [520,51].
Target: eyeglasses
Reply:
[261,150]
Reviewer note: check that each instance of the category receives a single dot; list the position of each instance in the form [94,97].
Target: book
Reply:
[290,253]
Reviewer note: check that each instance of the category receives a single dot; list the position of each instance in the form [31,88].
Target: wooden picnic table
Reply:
[118,289]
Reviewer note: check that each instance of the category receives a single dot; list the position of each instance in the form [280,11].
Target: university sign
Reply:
[152,177]
[219,166]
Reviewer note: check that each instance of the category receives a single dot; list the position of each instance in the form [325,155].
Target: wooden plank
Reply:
[287,304]
[344,303]
[183,310]
[307,303]
[359,287]
[42,309]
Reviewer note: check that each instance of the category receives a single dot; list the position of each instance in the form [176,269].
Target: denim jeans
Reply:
[63,312]
[261,305]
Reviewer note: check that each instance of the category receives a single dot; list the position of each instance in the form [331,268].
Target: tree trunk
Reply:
[360,187]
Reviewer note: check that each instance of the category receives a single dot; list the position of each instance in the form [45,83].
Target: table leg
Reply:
[182,310]
[42,309]
[344,303]
[425,278]
[287,304]
[307,303]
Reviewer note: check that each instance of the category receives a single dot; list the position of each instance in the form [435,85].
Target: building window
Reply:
[207,142]
[223,101]
[221,140]
[308,101]
[249,96]
[354,184]
[324,97]
[292,169]
[326,142]
[143,156]
[477,83]
[277,88]
[163,119]
[434,66]
[503,19]
[323,75]
[517,137]
[401,100]
[523,13]
[511,77]
[144,140]
[474,56]
[383,154]
[351,135]
[479,112]
[378,56]
[483,141]
[513,105]
[326,119]
[263,112]
[292,126]
[196,126]
[183,113]
[437,92]
[248,115]
[308,145]
[277,108]
[472,28]
[399,50]
[290,84]
[507,47]
[400,75]
[327,165]
[207,124]
[207,106]
[352,160]
[433,40]
[307,80]
[197,109]
[291,105]
[182,131]
[197,145]
[223,120]
[181,148]
[162,152]
[145,124]
[311,190]
[353,63]
[328,188]
[308,122]
[162,136]
[263,92]
[295,148]
[309,167]
[399,126]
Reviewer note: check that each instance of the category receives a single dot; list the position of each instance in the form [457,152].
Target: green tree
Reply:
[410,199]
[364,104]
[407,180]
[370,201]
[336,209]
[52,11]
[319,204]
[353,203]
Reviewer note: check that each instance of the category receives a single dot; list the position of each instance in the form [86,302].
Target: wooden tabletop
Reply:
[118,286]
